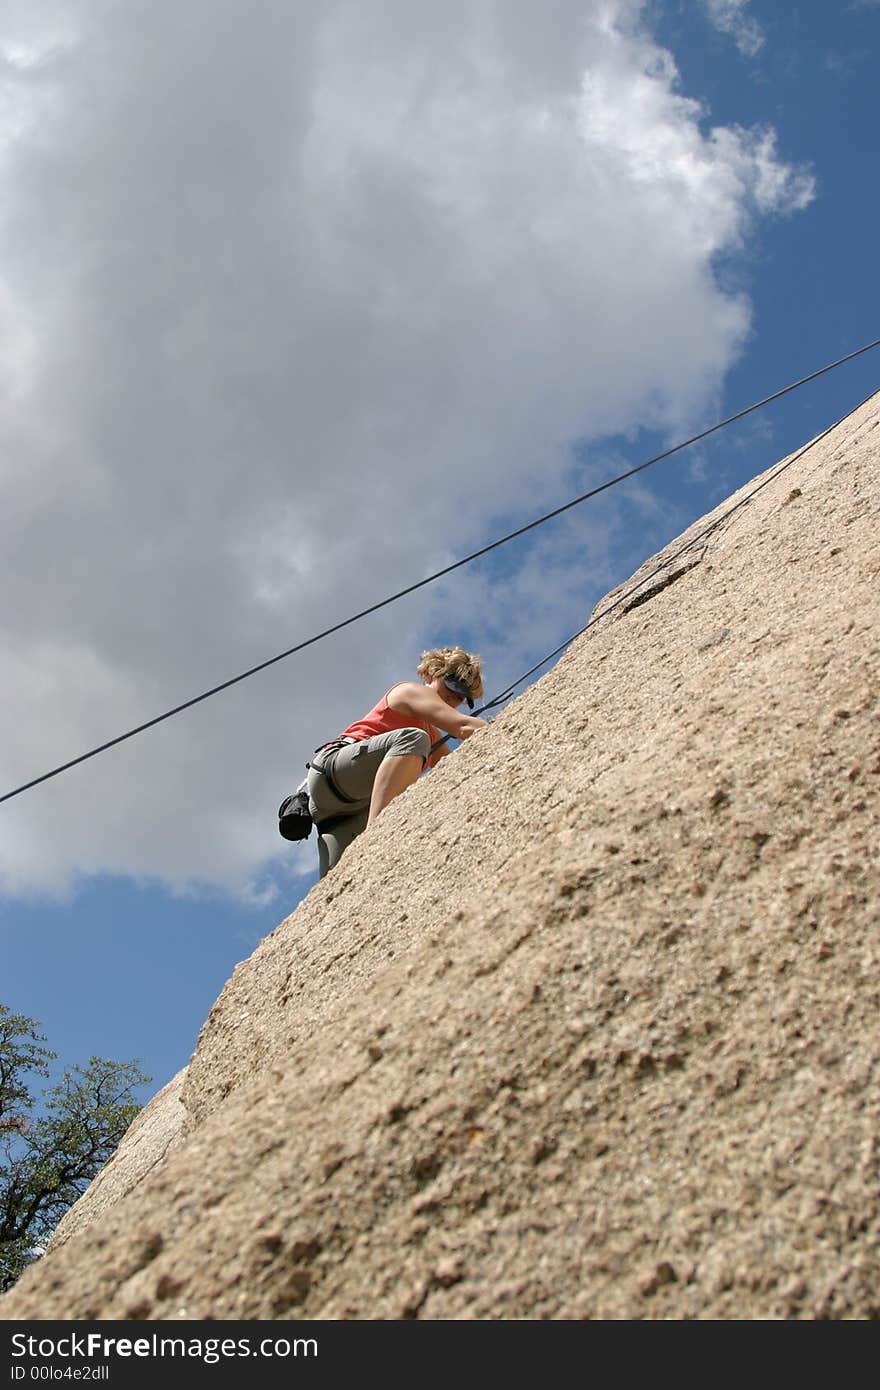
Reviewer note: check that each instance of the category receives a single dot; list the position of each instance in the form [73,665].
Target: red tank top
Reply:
[381,719]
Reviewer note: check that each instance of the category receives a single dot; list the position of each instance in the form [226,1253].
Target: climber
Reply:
[353,778]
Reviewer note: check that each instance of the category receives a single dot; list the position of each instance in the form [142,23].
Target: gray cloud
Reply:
[297,305]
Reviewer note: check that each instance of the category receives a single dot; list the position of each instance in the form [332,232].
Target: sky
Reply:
[300,304]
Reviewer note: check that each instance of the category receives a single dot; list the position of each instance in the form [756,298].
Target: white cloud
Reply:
[732,17]
[301,303]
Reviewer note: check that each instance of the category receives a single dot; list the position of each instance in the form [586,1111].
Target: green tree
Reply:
[48,1159]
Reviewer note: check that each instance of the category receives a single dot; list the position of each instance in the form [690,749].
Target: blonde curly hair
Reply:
[456,662]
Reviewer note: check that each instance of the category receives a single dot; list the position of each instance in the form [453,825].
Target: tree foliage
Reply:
[49,1155]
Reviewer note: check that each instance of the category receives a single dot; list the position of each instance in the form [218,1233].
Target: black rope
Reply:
[664,564]
[439,574]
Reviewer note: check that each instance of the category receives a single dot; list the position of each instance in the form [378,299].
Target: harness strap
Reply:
[325,772]
[335,743]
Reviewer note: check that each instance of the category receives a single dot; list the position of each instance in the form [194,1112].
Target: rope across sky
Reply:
[448,569]
[689,545]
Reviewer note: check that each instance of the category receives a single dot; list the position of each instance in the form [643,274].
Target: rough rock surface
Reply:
[145,1143]
[586,1026]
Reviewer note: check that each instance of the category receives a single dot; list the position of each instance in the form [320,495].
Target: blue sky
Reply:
[298,307]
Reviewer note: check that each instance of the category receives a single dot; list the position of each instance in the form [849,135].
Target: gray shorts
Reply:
[340,782]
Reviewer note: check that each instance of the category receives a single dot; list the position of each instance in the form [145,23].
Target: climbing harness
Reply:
[294,817]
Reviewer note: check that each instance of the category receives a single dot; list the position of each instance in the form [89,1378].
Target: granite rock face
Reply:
[587,1025]
[146,1142]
